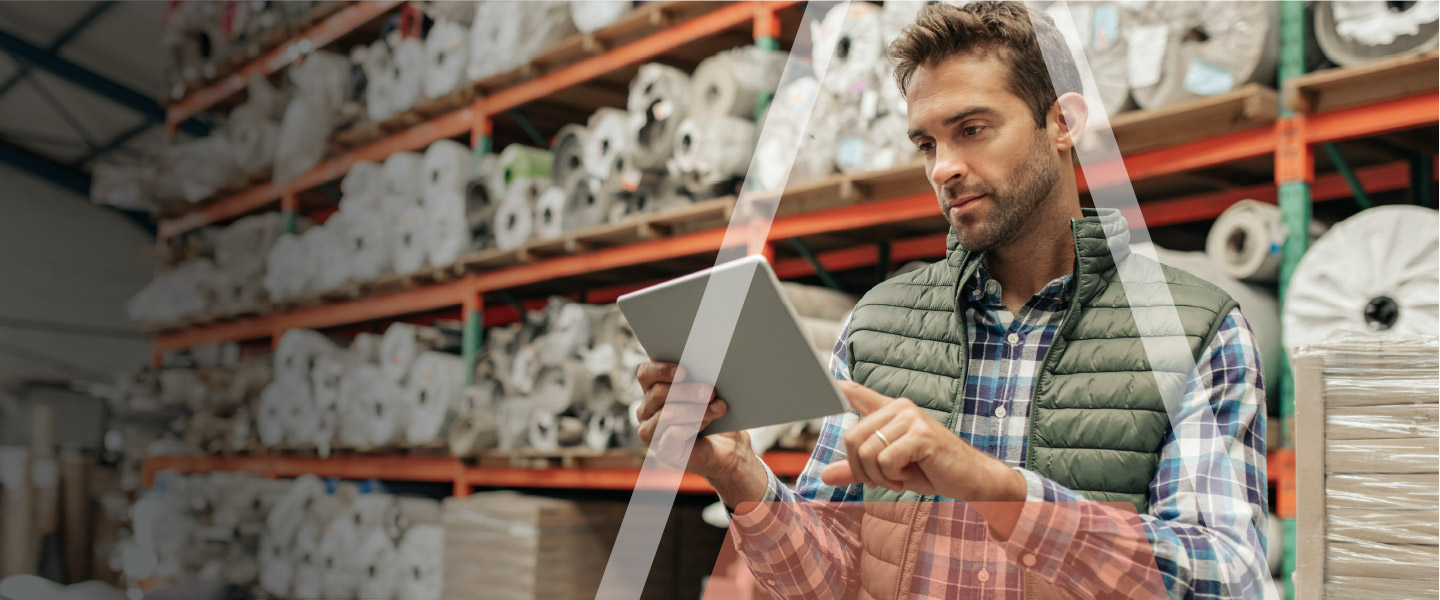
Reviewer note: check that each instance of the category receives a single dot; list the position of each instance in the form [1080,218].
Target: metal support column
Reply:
[767,37]
[473,336]
[1294,170]
[1421,178]
[1343,166]
[289,206]
[820,270]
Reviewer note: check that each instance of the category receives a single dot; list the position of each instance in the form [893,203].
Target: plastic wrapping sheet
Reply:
[1382,422]
[1376,588]
[1368,559]
[1382,491]
[1369,526]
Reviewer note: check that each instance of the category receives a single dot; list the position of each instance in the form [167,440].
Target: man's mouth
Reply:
[962,201]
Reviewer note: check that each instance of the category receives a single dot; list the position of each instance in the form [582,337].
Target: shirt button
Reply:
[991,286]
[1000,412]
[1028,559]
[983,576]
[1013,338]
[976,293]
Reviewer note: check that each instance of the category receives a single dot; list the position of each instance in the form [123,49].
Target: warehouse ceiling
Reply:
[80,82]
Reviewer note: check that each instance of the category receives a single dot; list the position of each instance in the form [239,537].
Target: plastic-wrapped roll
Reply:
[729,83]
[506,35]
[475,430]
[324,77]
[570,327]
[362,187]
[600,431]
[422,553]
[309,567]
[659,97]
[568,151]
[585,206]
[447,52]
[408,512]
[446,167]
[548,432]
[481,206]
[1098,27]
[296,353]
[365,348]
[404,342]
[332,255]
[1356,32]
[778,161]
[281,263]
[252,136]
[595,15]
[378,65]
[449,235]
[325,380]
[550,213]
[1245,241]
[514,219]
[873,148]
[272,422]
[513,423]
[433,388]
[849,43]
[1376,272]
[277,568]
[1178,51]
[407,79]
[713,150]
[303,133]
[401,174]
[519,162]
[609,137]
[303,423]
[369,241]
[337,548]
[411,236]
[559,386]
[524,367]
[379,565]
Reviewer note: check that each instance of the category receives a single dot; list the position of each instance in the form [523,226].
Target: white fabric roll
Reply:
[365,348]
[481,204]
[401,174]
[585,205]
[848,44]
[337,550]
[369,415]
[1098,29]
[1246,239]
[515,219]
[407,80]
[506,35]
[303,133]
[411,239]
[332,255]
[402,344]
[362,187]
[728,83]
[446,167]
[378,65]
[513,426]
[449,235]
[303,423]
[568,150]
[379,565]
[524,367]
[369,241]
[433,388]
[309,566]
[325,379]
[570,327]
[276,401]
[1354,32]
[550,213]
[296,353]
[593,15]
[788,116]
[659,97]
[559,386]
[475,430]
[549,432]
[1377,272]
[447,52]
[1169,64]
[713,150]
[609,137]
[407,512]
[422,555]
[324,77]
[277,568]
[252,136]
[601,430]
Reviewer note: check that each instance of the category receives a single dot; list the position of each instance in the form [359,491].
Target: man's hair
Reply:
[942,31]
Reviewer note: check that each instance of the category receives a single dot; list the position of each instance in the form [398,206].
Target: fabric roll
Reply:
[449,236]
[1354,33]
[848,44]
[309,566]
[1377,272]
[252,136]
[550,213]
[713,150]
[325,380]
[297,352]
[446,167]
[368,413]
[570,327]
[323,77]
[1099,37]
[585,205]
[369,241]
[778,159]
[1182,51]
[481,206]
[595,15]
[558,387]
[337,549]
[378,65]
[447,53]
[513,426]
[568,151]
[362,187]
[277,568]
[524,368]
[601,430]
[422,553]
[515,217]
[1245,241]
[276,400]
[519,162]
[379,565]
[412,233]
[609,137]
[548,432]
[659,97]
[728,83]
[873,146]
[475,430]
[365,348]
[332,259]
[506,35]
[433,389]
[303,423]
[403,343]
[304,130]
[407,81]
[408,512]
[401,174]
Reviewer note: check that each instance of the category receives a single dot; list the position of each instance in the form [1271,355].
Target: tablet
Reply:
[749,344]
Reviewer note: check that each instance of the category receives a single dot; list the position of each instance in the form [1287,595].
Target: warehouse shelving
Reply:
[443,469]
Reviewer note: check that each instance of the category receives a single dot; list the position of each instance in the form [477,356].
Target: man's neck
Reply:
[1041,253]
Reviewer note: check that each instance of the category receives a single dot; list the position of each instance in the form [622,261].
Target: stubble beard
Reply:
[1029,183]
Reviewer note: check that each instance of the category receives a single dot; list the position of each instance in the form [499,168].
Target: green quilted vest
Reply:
[1097,418]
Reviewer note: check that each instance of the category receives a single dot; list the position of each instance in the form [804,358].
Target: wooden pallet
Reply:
[1376,82]
[564,458]
[1248,107]
[842,190]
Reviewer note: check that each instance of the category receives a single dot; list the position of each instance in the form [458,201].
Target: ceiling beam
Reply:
[59,42]
[26,52]
[64,176]
[115,142]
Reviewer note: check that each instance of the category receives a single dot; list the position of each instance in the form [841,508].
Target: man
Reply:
[1011,376]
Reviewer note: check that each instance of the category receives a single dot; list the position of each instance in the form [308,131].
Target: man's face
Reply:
[989,164]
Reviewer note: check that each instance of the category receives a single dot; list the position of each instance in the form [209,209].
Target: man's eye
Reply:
[973,130]
[925,147]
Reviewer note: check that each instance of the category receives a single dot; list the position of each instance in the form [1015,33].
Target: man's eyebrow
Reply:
[955,118]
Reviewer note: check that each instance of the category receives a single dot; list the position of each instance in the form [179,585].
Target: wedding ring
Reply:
[882,437]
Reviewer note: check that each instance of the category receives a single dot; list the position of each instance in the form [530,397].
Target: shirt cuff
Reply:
[762,527]
[1046,527]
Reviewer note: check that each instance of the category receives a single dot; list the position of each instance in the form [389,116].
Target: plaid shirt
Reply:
[1203,530]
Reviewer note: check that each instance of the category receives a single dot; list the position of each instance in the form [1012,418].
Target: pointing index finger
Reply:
[864,400]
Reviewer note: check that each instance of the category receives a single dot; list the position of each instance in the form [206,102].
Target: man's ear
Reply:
[1070,113]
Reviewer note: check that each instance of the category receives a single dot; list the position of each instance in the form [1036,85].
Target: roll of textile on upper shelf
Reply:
[1257,302]
[404,342]
[401,179]
[585,204]
[332,255]
[412,232]
[362,187]
[849,45]
[506,35]
[377,62]
[609,137]
[422,562]
[1246,240]
[785,153]
[1353,32]
[518,162]
[449,235]
[481,205]
[1179,51]
[595,15]
[433,388]
[712,151]
[253,136]
[366,411]
[658,101]
[447,53]
[515,217]
[303,133]
[406,84]
[550,213]
[729,82]
[568,153]
[446,166]
[1097,36]
[369,239]
[1377,272]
